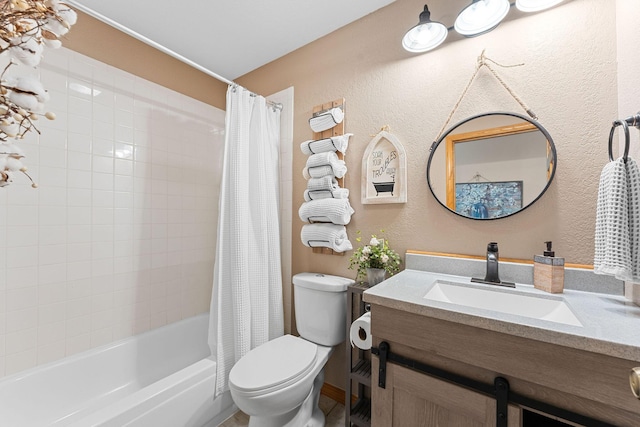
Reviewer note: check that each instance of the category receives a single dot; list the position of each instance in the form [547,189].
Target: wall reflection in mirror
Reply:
[492,165]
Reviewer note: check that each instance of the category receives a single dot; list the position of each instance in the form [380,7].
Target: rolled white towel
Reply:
[317,172]
[326,120]
[340,193]
[317,166]
[337,211]
[326,236]
[325,183]
[335,143]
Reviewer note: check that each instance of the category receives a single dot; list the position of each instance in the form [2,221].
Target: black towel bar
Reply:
[625,126]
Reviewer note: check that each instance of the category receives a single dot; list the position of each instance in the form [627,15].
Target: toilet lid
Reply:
[274,365]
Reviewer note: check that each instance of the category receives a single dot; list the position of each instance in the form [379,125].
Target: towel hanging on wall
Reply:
[326,120]
[326,236]
[335,143]
[337,211]
[324,183]
[321,164]
[340,193]
[617,235]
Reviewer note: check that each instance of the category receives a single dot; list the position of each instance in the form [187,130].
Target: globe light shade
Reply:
[425,36]
[481,16]
[536,5]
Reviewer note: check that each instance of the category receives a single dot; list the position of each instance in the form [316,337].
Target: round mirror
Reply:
[492,165]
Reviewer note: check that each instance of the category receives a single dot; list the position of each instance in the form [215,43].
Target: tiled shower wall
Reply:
[120,235]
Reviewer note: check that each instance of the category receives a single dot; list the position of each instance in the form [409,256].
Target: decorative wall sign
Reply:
[384,170]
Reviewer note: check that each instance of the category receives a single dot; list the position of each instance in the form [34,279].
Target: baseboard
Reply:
[333,392]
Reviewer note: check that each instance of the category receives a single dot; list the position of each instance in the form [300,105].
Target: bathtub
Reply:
[159,378]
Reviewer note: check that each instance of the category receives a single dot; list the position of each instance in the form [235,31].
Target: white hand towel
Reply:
[633,185]
[326,236]
[337,211]
[340,193]
[335,143]
[317,166]
[613,235]
[326,120]
[325,183]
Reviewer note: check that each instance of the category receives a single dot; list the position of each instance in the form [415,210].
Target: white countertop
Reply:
[611,324]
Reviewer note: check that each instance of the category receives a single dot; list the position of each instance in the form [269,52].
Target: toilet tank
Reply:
[320,301]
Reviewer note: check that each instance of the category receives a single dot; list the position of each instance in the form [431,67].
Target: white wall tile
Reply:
[52,234]
[79,179]
[19,320]
[94,254]
[22,215]
[78,124]
[20,235]
[21,278]
[52,273]
[103,164]
[51,352]
[103,142]
[77,142]
[17,362]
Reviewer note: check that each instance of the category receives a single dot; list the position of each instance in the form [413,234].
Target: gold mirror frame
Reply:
[452,140]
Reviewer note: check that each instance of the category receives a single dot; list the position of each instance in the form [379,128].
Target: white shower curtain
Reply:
[246,304]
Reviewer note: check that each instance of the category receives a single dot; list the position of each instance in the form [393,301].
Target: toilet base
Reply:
[308,414]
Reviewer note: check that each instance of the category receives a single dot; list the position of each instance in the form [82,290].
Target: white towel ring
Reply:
[625,126]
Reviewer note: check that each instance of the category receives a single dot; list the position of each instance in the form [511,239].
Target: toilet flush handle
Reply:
[634,381]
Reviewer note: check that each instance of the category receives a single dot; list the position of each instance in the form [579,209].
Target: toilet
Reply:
[278,383]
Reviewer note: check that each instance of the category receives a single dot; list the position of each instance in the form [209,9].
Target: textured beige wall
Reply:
[98,40]
[569,80]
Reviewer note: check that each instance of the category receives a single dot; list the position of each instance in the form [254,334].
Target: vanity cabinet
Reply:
[414,399]
[358,410]
[591,384]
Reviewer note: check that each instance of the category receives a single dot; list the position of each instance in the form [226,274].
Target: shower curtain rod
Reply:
[158,46]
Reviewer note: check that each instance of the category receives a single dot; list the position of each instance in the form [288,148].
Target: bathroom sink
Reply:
[542,307]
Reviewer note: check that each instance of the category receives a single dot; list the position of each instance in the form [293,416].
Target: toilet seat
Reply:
[273,366]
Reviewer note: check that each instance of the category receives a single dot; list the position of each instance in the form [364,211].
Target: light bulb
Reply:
[481,16]
[536,5]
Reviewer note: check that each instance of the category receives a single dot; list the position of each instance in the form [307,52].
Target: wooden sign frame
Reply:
[384,171]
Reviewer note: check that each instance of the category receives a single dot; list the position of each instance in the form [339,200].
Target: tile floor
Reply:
[333,411]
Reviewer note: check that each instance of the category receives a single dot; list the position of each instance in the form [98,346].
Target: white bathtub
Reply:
[161,378]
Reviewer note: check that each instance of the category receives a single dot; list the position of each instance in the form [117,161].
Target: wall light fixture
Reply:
[426,35]
[480,17]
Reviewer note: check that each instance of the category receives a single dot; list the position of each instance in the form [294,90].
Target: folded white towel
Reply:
[317,166]
[340,193]
[327,182]
[335,143]
[326,120]
[326,236]
[337,211]
[617,235]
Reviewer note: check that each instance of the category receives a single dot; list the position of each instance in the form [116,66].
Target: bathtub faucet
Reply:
[492,277]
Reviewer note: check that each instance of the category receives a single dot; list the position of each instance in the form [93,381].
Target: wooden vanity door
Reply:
[412,399]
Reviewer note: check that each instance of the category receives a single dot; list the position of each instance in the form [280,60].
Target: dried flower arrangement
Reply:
[26,28]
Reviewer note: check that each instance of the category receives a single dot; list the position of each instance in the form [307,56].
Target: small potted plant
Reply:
[375,260]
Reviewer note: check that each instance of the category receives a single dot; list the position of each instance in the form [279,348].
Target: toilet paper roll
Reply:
[360,332]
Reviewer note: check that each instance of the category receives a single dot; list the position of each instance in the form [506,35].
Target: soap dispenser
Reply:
[548,271]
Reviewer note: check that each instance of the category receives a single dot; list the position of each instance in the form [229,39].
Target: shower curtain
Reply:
[246,304]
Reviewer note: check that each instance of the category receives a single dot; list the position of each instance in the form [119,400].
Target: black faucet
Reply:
[492,277]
